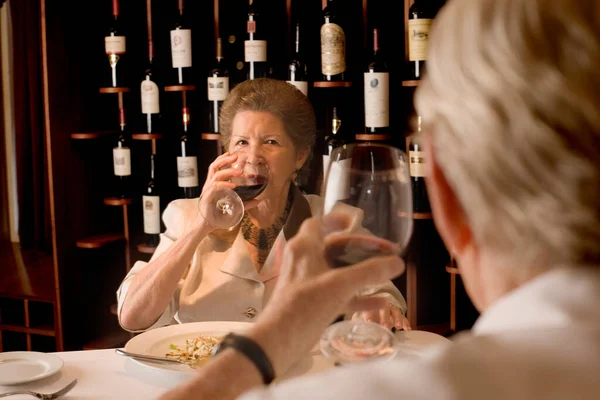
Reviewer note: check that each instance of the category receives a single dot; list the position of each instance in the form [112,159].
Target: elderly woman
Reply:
[511,102]
[198,273]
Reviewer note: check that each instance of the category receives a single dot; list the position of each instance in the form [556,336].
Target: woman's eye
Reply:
[241,143]
[272,141]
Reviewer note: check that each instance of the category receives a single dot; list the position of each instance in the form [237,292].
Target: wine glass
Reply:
[371,183]
[223,207]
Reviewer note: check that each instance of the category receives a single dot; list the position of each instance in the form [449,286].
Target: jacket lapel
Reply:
[299,212]
[238,262]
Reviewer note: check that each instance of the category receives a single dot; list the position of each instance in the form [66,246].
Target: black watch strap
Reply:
[252,351]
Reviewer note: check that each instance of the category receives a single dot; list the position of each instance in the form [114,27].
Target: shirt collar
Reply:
[556,298]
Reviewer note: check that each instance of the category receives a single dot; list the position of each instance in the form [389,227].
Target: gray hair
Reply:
[282,100]
[512,99]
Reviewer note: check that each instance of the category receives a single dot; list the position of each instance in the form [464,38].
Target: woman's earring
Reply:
[296,177]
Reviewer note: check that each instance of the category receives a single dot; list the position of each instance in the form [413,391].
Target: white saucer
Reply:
[26,366]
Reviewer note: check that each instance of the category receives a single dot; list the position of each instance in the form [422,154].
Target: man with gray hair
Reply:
[511,107]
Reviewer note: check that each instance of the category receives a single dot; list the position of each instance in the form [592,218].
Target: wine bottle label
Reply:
[181,48]
[218,88]
[187,171]
[418,38]
[122,161]
[417,163]
[255,50]
[333,49]
[151,214]
[377,99]
[336,180]
[114,44]
[149,96]
[302,85]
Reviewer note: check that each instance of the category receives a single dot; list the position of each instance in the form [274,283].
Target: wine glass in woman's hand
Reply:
[371,183]
[232,185]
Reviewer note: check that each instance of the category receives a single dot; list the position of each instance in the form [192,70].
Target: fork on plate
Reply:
[49,396]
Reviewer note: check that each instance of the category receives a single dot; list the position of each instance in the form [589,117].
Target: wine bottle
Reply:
[218,88]
[377,91]
[181,47]
[333,45]
[420,18]
[417,159]
[150,98]
[187,162]
[334,139]
[297,74]
[115,48]
[255,48]
[151,204]
[122,158]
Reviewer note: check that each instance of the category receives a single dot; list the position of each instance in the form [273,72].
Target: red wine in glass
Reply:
[347,250]
[252,188]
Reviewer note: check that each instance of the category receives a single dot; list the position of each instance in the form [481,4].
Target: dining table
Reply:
[104,374]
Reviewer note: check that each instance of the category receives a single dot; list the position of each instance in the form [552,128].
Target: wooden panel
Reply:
[326,84]
[117,201]
[43,331]
[411,83]
[180,88]
[96,242]
[146,136]
[114,90]
[26,274]
[143,248]
[91,135]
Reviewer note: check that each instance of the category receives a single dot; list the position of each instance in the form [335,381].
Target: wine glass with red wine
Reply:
[371,183]
[224,207]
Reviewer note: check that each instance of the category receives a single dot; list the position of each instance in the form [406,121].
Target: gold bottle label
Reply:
[113,59]
[336,124]
[333,49]
[418,38]
[417,163]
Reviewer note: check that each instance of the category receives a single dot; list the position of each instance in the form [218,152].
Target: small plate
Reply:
[26,366]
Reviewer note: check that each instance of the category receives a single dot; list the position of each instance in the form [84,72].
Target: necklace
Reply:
[263,239]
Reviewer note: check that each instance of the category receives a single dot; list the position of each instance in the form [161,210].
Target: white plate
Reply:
[156,342]
[418,342]
[26,366]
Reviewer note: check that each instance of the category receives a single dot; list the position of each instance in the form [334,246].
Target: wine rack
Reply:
[410,83]
[82,120]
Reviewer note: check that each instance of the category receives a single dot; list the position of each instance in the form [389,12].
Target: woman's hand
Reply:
[217,177]
[390,316]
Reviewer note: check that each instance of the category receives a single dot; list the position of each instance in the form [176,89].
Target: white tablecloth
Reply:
[103,374]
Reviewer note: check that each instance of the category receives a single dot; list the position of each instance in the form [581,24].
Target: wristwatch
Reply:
[251,350]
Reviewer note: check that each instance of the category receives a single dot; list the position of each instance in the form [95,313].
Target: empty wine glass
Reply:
[223,207]
[371,183]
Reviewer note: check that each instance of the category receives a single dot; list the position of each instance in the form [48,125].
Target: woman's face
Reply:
[262,136]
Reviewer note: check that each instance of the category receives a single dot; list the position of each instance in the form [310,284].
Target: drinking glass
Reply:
[223,207]
[371,183]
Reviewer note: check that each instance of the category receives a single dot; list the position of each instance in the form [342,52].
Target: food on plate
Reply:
[195,350]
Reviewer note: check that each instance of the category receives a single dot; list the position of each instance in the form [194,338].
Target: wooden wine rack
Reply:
[412,83]
[327,84]
[180,88]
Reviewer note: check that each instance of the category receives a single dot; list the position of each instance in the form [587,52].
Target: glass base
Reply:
[350,342]
[221,207]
